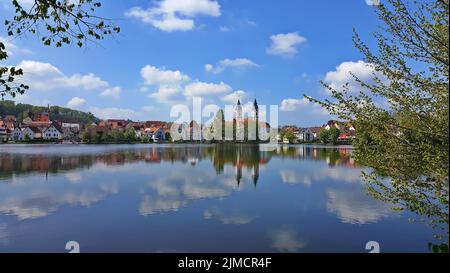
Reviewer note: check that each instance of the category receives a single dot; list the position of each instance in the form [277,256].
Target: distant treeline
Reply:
[21,111]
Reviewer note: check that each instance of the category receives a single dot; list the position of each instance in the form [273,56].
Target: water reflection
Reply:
[241,157]
[285,200]
[286,240]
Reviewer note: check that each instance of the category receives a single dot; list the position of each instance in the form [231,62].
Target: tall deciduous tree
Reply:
[402,116]
[56,22]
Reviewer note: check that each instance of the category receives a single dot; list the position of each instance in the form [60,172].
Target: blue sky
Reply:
[171,50]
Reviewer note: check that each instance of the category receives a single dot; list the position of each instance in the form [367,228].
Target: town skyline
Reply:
[58,125]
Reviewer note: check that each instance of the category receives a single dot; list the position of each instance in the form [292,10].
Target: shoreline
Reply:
[173,143]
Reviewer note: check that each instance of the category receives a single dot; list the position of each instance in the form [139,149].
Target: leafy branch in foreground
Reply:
[402,117]
[57,23]
[7,76]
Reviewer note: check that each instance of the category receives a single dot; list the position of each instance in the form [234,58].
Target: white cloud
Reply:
[175,86]
[143,89]
[26,99]
[343,75]
[373,2]
[159,76]
[11,48]
[203,89]
[224,29]
[32,204]
[149,109]
[175,15]
[233,218]
[165,93]
[234,97]
[285,240]
[240,63]
[292,177]
[291,105]
[76,102]
[209,67]
[74,177]
[355,207]
[113,92]
[113,113]
[285,44]
[45,76]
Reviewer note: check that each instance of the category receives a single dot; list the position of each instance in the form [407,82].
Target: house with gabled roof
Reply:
[53,132]
[315,131]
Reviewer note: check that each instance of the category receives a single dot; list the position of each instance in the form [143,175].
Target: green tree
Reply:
[130,135]
[116,136]
[405,137]
[290,136]
[56,23]
[145,139]
[86,136]
[20,110]
[324,136]
[333,135]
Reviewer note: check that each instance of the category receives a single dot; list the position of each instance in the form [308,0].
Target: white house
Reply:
[29,133]
[70,131]
[71,125]
[17,134]
[52,132]
[331,124]
[304,135]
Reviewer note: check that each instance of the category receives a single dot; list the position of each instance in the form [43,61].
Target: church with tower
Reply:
[239,115]
[246,125]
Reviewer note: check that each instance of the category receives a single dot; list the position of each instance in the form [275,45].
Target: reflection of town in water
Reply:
[283,198]
[249,157]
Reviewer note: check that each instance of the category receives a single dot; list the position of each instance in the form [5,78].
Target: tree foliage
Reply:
[324,136]
[56,22]
[333,135]
[290,136]
[21,111]
[403,115]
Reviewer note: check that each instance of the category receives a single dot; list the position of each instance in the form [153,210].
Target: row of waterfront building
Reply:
[36,126]
[39,126]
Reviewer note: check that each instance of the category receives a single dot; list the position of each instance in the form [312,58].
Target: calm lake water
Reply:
[194,198]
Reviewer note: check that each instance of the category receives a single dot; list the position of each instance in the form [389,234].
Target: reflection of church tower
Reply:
[238,111]
[238,175]
[255,113]
[238,167]
[255,174]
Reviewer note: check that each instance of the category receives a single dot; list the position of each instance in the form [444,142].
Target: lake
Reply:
[195,198]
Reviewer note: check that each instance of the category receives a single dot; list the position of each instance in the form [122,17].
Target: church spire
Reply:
[238,111]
